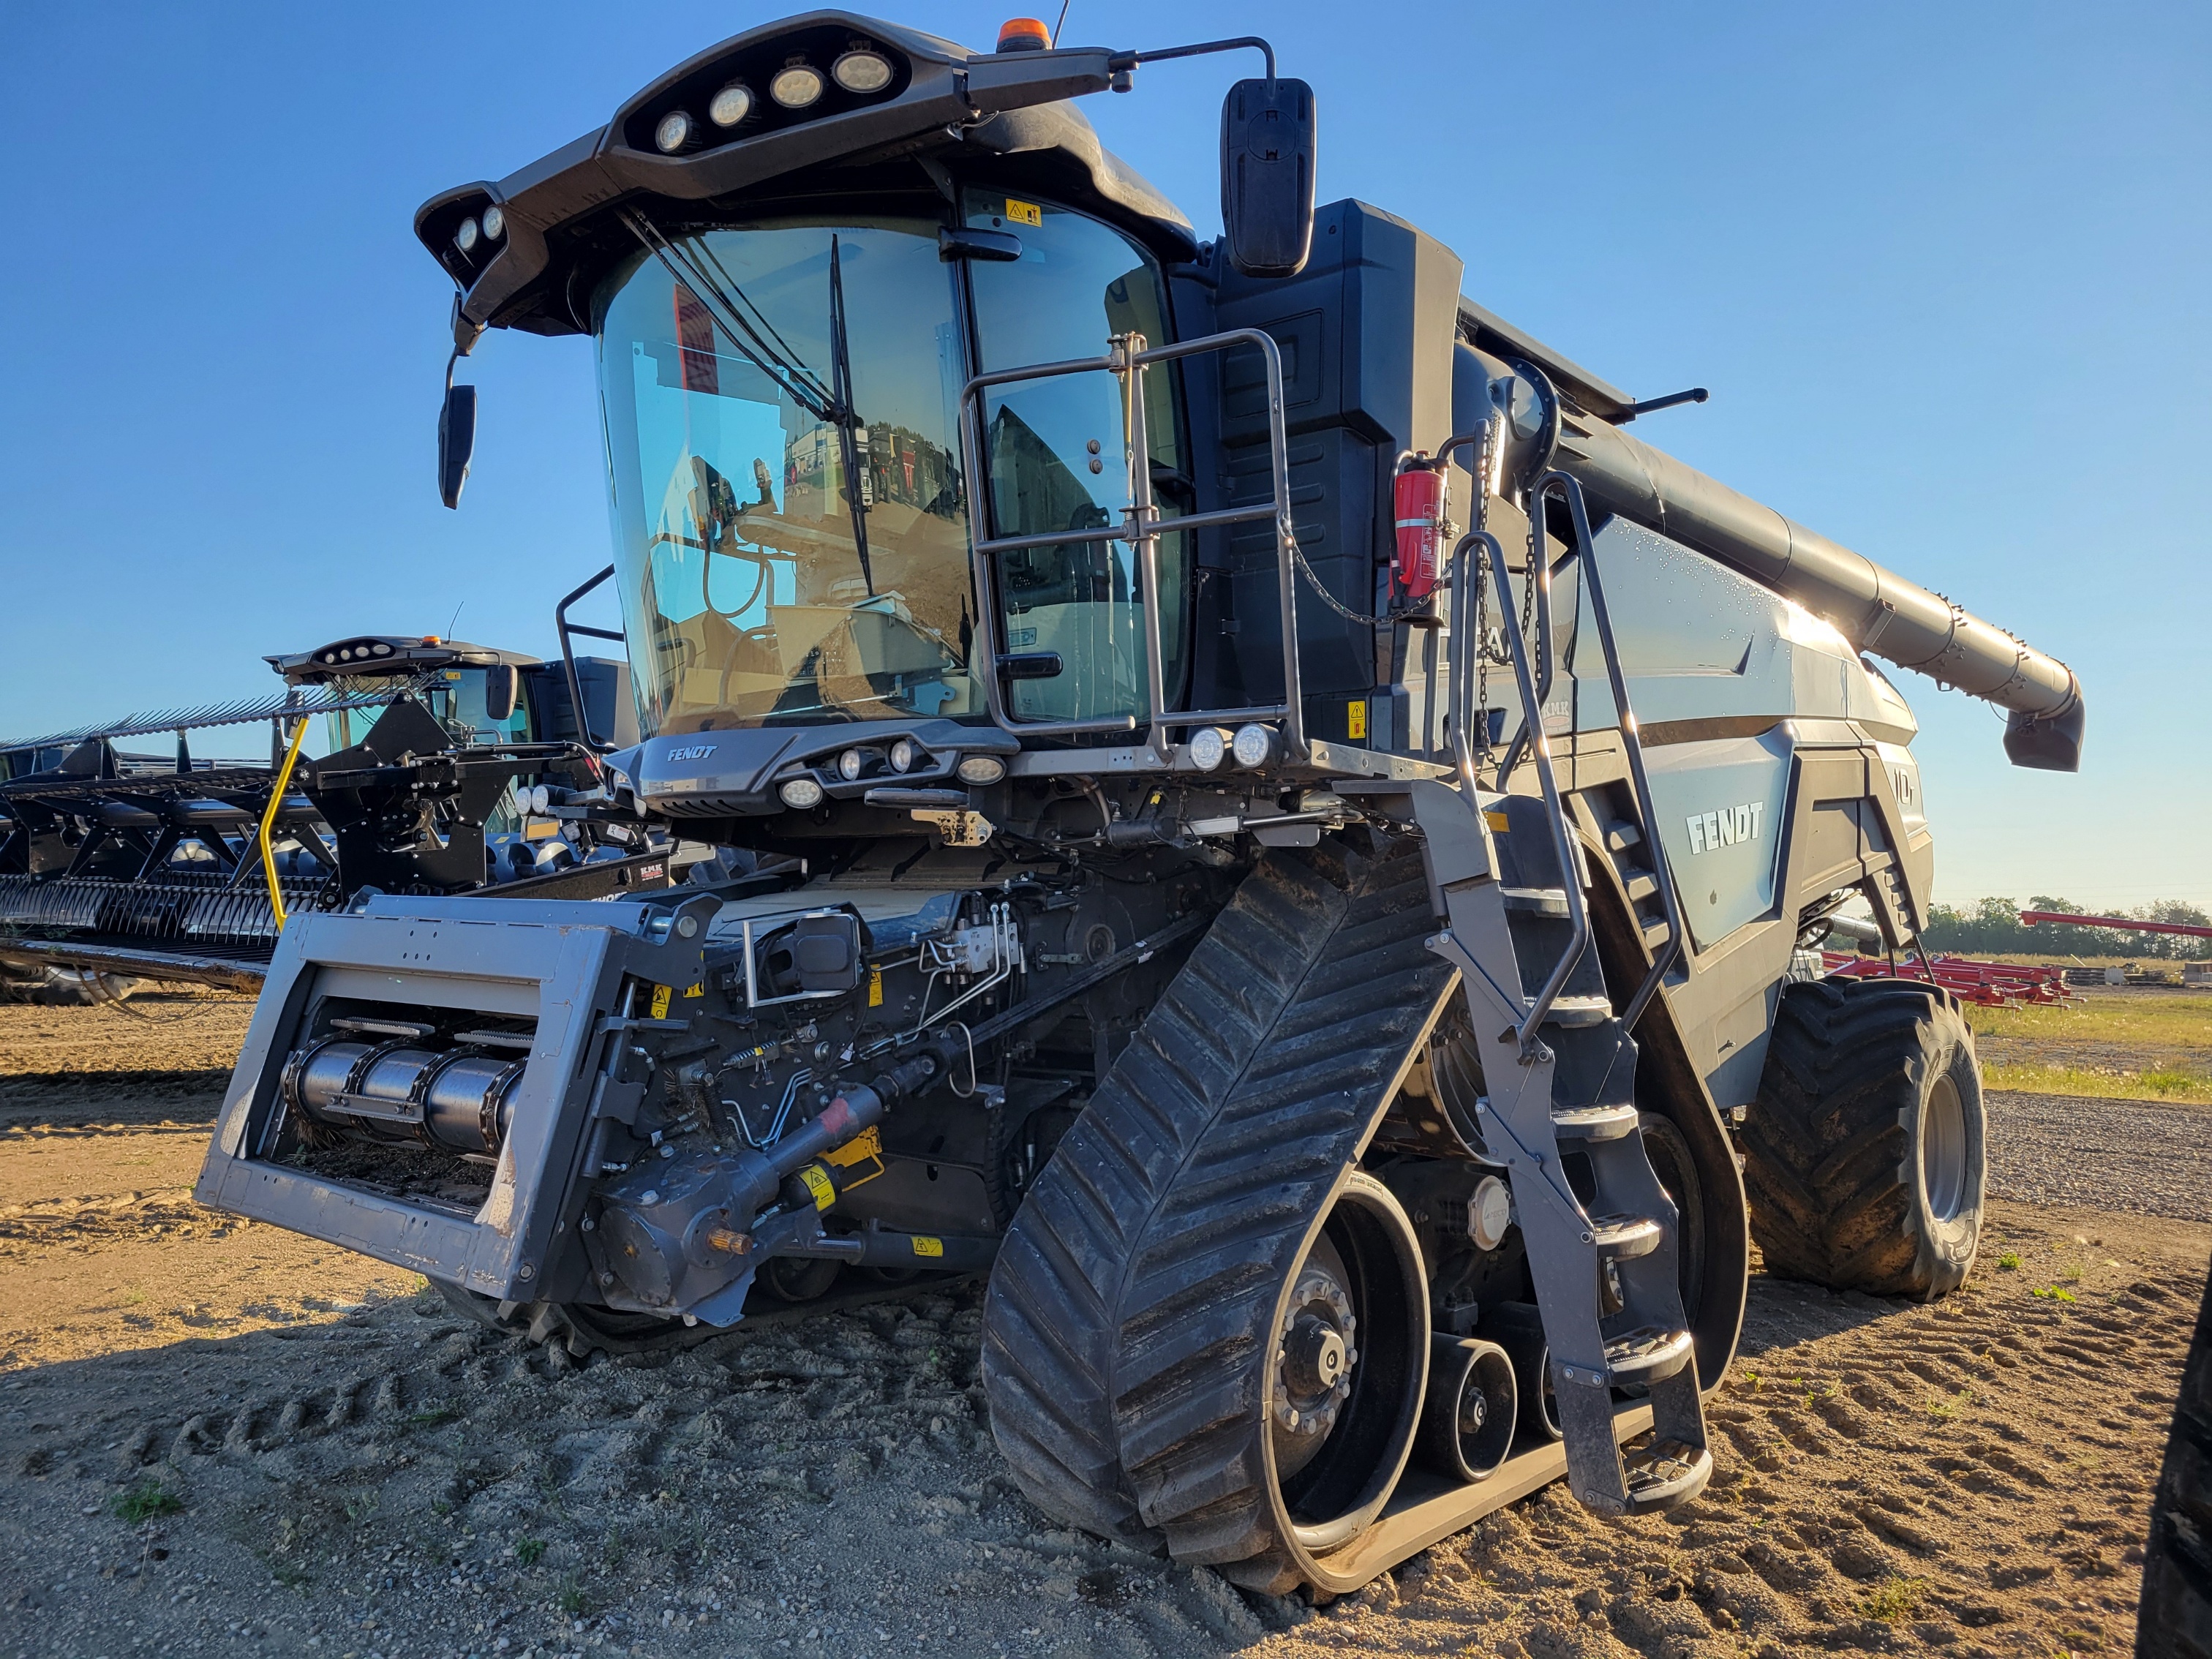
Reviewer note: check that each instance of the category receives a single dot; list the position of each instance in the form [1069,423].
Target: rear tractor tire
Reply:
[1864,1153]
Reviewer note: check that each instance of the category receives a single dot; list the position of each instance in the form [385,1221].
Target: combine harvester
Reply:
[453,767]
[1128,642]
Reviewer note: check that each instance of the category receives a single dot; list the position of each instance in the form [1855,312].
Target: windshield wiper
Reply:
[795,377]
[840,389]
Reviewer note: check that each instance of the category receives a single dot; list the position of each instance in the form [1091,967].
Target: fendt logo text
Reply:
[1711,830]
[697,751]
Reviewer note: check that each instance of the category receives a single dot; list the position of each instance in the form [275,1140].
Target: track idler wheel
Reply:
[1472,1409]
[1518,1328]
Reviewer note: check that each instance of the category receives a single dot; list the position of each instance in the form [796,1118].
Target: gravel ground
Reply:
[2135,1155]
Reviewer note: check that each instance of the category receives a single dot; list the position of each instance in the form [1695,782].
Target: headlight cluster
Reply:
[861,70]
[803,790]
[361,652]
[474,230]
[1251,746]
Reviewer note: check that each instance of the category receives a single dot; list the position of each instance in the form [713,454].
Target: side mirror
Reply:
[457,441]
[1267,176]
[502,684]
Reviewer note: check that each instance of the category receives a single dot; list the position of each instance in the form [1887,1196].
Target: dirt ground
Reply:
[217,1437]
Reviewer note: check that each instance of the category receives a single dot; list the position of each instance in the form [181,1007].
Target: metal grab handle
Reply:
[1577,913]
[1127,358]
[1631,740]
[564,627]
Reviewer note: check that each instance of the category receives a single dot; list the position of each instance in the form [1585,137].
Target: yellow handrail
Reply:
[269,819]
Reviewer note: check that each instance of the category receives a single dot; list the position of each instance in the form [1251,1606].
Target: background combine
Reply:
[448,767]
[1253,810]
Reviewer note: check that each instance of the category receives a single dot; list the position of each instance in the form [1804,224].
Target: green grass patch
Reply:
[431,1417]
[145,1501]
[2165,1083]
[2008,1262]
[572,1600]
[2052,1293]
[1896,1597]
[530,1552]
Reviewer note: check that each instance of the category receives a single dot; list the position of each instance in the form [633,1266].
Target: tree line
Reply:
[1992,926]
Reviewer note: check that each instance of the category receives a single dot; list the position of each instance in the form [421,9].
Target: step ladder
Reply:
[1559,1101]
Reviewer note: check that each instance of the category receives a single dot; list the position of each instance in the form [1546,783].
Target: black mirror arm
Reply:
[1121,62]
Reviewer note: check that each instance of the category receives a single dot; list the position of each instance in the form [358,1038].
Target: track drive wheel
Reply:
[1864,1162]
[2175,1619]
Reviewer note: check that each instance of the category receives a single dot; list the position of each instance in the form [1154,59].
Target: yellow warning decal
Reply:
[1024,213]
[928,1246]
[864,1152]
[660,996]
[875,986]
[698,990]
[818,1183]
[1496,821]
[1355,719]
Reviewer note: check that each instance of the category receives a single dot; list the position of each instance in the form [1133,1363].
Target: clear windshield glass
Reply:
[1056,460]
[456,700]
[758,585]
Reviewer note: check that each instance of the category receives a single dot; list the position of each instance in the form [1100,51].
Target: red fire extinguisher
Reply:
[1418,500]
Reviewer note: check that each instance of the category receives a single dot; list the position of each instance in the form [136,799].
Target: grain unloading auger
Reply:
[1144,883]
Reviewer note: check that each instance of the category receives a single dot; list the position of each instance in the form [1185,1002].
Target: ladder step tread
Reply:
[1536,901]
[1641,884]
[1647,1355]
[1625,1235]
[1594,1122]
[1665,1474]
[1620,834]
[1576,1012]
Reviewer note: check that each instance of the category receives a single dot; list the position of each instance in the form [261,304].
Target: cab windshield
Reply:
[742,386]
[781,401]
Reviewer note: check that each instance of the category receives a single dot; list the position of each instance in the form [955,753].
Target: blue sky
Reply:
[1943,267]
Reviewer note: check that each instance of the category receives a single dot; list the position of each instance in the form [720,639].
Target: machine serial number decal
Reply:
[1710,832]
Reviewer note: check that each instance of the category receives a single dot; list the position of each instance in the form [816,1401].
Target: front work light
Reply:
[1255,745]
[904,755]
[494,224]
[797,84]
[731,105]
[800,792]
[981,769]
[849,764]
[862,70]
[673,132]
[465,238]
[1207,748]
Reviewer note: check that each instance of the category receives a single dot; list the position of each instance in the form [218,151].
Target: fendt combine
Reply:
[1108,659]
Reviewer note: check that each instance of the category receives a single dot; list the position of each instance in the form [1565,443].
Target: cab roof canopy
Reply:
[943,108]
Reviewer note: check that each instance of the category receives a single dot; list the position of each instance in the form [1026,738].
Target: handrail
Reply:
[564,627]
[1577,913]
[1127,358]
[1631,737]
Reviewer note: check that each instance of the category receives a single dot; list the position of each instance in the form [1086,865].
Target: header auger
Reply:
[1328,981]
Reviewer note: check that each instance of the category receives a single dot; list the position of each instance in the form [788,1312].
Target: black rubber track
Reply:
[1129,1316]
[1829,1145]
[2175,1619]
